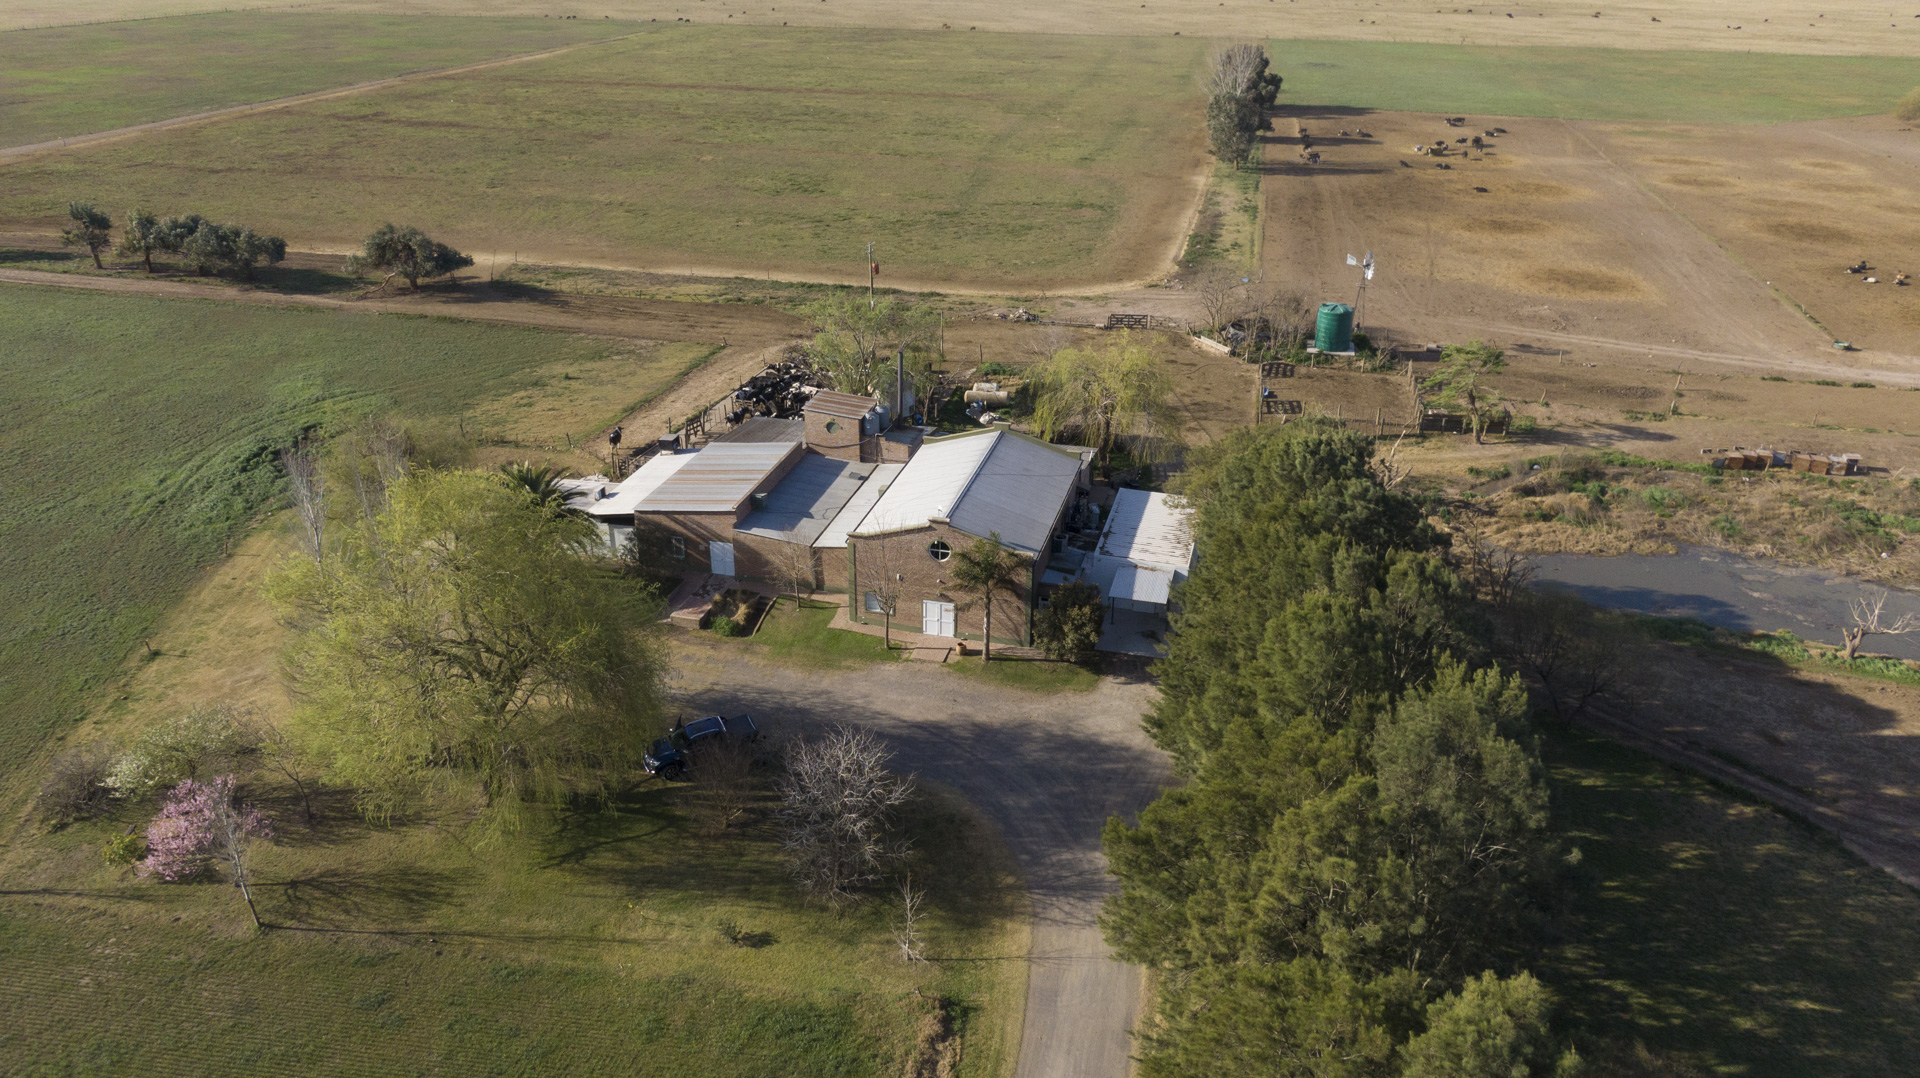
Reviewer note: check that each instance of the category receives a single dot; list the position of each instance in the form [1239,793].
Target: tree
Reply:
[723,783]
[200,821]
[1578,654]
[76,784]
[1866,622]
[837,803]
[251,249]
[857,345]
[142,236]
[91,229]
[406,252]
[460,639]
[210,247]
[986,568]
[542,484]
[1460,380]
[1494,1027]
[172,233]
[1240,93]
[879,570]
[307,485]
[1102,395]
[792,566]
[1223,296]
[1069,628]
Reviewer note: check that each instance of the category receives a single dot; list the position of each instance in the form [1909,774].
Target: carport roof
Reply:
[1144,528]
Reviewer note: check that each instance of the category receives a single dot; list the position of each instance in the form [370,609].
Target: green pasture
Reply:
[1723,933]
[984,157]
[626,942]
[1589,83]
[139,435]
[72,80]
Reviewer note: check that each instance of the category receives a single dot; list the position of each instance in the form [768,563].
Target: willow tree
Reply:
[862,347]
[457,641]
[1101,395]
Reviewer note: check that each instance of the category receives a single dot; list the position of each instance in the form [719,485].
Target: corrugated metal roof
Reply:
[992,482]
[855,511]
[717,479]
[1142,585]
[1144,528]
[844,405]
[626,494]
[807,499]
[762,428]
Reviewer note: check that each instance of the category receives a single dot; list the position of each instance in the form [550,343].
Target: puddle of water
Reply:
[1716,587]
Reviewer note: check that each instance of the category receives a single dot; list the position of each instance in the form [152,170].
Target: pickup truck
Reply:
[671,755]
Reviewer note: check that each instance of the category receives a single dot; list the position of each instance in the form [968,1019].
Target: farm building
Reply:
[834,501]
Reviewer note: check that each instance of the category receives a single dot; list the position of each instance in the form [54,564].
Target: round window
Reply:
[939,550]
[833,426]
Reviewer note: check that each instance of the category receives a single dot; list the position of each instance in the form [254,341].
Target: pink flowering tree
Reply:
[200,823]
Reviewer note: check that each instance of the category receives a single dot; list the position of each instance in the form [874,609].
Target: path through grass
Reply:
[1589,83]
[74,80]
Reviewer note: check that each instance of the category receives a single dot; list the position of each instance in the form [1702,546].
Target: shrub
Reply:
[1726,525]
[123,849]
[1662,500]
[1069,628]
[1772,378]
[76,785]
[1523,425]
[1860,385]
[1824,382]
[995,368]
[1908,107]
[726,626]
[177,749]
[1497,471]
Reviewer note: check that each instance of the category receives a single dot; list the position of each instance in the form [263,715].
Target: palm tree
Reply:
[542,485]
[985,568]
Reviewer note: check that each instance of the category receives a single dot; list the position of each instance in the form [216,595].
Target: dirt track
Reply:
[1047,770]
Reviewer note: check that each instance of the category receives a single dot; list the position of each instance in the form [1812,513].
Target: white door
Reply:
[720,558]
[936,619]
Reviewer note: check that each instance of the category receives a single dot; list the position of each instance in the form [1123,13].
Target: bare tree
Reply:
[723,784]
[880,577]
[1390,469]
[1496,575]
[281,754]
[906,932]
[837,803]
[234,829]
[1235,70]
[1286,313]
[309,499]
[792,568]
[1223,297]
[1577,653]
[1866,622]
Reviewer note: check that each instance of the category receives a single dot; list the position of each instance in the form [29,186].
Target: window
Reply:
[938,550]
[873,603]
[676,546]
[833,426]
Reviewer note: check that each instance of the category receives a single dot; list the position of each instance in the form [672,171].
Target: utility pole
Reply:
[873,269]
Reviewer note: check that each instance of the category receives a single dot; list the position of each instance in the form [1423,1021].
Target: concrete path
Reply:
[1047,769]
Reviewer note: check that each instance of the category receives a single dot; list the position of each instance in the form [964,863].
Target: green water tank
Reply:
[1333,330]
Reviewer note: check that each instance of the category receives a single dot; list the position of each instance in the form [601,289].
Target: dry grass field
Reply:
[1834,27]
[1017,160]
[1690,245]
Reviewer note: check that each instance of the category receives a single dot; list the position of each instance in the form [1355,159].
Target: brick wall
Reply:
[904,555]
[844,443]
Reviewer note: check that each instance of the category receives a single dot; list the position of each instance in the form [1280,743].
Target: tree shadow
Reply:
[22,254]
[336,898]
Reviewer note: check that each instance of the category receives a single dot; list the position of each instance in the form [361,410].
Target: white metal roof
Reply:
[716,479]
[1139,585]
[1145,529]
[626,494]
[982,484]
[851,515]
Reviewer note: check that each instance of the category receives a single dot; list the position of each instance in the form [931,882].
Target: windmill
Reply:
[1366,274]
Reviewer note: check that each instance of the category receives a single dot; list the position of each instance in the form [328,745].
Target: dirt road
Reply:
[1048,770]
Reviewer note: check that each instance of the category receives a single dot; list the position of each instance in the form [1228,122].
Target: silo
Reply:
[1333,330]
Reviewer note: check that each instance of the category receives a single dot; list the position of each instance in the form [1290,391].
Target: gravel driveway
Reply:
[1048,769]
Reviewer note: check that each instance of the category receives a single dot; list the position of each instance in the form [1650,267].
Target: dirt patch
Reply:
[1805,232]
[1505,226]
[1691,179]
[1575,282]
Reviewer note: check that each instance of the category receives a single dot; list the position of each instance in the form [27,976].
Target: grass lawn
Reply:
[139,436]
[1589,83]
[1723,933]
[625,942]
[799,636]
[967,158]
[72,80]
[1032,675]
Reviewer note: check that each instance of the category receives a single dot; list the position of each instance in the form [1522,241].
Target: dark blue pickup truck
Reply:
[671,755]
